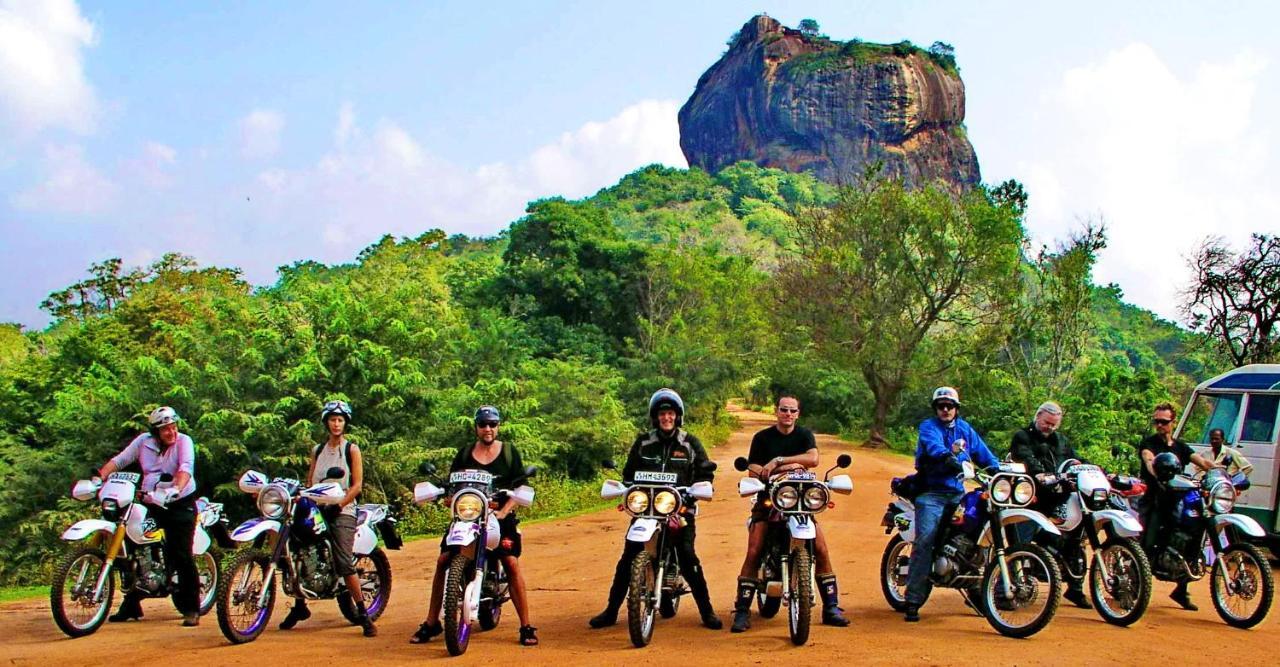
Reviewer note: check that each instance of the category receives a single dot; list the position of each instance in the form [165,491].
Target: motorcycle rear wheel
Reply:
[893,582]
[1036,580]
[457,628]
[76,575]
[374,573]
[640,594]
[1242,585]
[1124,599]
[800,611]
[239,588]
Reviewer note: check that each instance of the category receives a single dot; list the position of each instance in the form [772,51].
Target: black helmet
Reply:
[666,398]
[1166,466]
[487,413]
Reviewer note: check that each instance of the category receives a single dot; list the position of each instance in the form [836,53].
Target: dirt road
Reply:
[569,565]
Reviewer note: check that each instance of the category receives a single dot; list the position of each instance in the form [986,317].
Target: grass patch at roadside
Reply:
[19,593]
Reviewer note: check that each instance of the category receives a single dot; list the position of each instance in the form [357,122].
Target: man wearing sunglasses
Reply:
[780,448]
[945,442]
[1159,503]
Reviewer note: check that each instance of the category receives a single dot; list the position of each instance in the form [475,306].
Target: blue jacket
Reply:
[933,453]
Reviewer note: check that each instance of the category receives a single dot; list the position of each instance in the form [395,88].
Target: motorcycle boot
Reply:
[698,588]
[130,610]
[1183,598]
[191,619]
[298,612]
[1075,594]
[742,604]
[832,614]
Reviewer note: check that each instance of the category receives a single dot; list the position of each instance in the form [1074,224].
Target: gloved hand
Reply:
[162,497]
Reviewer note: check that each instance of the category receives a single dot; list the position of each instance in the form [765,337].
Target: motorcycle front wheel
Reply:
[71,592]
[1121,597]
[491,608]
[457,627]
[640,596]
[893,572]
[1242,586]
[1037,590]
[241,617]
[800,610]
[374,573]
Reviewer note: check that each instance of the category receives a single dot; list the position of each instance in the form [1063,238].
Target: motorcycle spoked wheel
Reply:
[491,608]
[457,628]
[1037,586]
[640,599]
[208,565]
[240,617]
[1242,586]
[374,573]
[73,581]
[800,607]
[1122,599]
[670,604]
[893,581]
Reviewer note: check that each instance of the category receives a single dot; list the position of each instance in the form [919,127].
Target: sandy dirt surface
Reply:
[569,565]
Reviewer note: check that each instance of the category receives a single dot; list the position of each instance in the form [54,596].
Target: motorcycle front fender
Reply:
[642,530]
[1123,524]
[88,528]
[462,533]
[1016,516]
[251,529]
[1247,524]
[802,527]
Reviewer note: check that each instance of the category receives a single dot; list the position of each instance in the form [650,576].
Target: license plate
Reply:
[655,477]
[130,477]
[802,476]
[470,477]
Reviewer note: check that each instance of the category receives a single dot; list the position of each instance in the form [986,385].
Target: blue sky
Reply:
[258,134]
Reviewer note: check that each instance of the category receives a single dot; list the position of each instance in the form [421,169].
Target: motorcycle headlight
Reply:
[273,502]
[1001,490]
[664,502]
[468,507]
[1222,498]
[637,502]
[786,497]
[1024,492]
[815,498]
[110,509]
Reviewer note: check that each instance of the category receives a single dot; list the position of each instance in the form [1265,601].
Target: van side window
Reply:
[1260,418]
[1212,411]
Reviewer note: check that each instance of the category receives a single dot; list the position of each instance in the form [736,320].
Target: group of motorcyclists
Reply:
[946,445]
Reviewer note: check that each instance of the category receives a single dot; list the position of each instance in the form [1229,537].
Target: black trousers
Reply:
[690,569]
[178,521]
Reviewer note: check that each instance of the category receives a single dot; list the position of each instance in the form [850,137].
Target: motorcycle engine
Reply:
[955,558]
[314,571]
[148,570]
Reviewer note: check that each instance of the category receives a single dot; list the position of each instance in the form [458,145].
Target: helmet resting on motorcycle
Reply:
[487,413]
[1166,466]
[161,416]
[666,398]
[340,408]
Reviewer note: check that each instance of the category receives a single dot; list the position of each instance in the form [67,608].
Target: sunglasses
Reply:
[1162,422]
[945,406]
[486,424]
[789,410]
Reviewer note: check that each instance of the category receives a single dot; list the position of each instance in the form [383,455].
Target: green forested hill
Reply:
[567,321]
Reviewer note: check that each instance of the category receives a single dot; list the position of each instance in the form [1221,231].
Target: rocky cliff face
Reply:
[804,103]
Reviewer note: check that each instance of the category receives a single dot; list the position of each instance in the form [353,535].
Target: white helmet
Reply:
[945,394]
[162,416]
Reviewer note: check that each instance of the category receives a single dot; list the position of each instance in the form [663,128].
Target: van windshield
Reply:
[1212,411]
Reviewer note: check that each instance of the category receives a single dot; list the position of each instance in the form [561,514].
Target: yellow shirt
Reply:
[1233,460]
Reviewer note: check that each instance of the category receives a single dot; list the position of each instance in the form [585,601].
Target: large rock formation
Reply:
[802,102]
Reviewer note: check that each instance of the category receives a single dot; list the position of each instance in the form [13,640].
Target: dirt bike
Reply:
[476,586]
[1119,574]
[292,536]
[1204,538]
[127,541]
[1016,587]
[786,563]
[657,508]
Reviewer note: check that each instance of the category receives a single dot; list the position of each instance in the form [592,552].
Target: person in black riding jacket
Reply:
[666,448]
[1042,449]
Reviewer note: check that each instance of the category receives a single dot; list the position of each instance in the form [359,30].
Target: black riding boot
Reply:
[832,614]
[742,604]
[698,588]
[297,613]
[130,609]
[617,592]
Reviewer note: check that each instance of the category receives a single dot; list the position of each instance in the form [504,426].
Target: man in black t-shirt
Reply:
[1158,504]
[780,448]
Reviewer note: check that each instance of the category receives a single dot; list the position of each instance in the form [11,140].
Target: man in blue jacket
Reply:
[945,442]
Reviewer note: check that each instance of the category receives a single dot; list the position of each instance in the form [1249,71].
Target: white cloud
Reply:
[42,80]
[260,133]
[152,167]
[1167,159]
[71,185]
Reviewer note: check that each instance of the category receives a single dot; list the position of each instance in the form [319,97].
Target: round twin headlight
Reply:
[1024,492]
[1001,490]
[468,506]
[664,502]
[637,502]
[1222,497]
[786,497]
[815,498]
[273,502]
